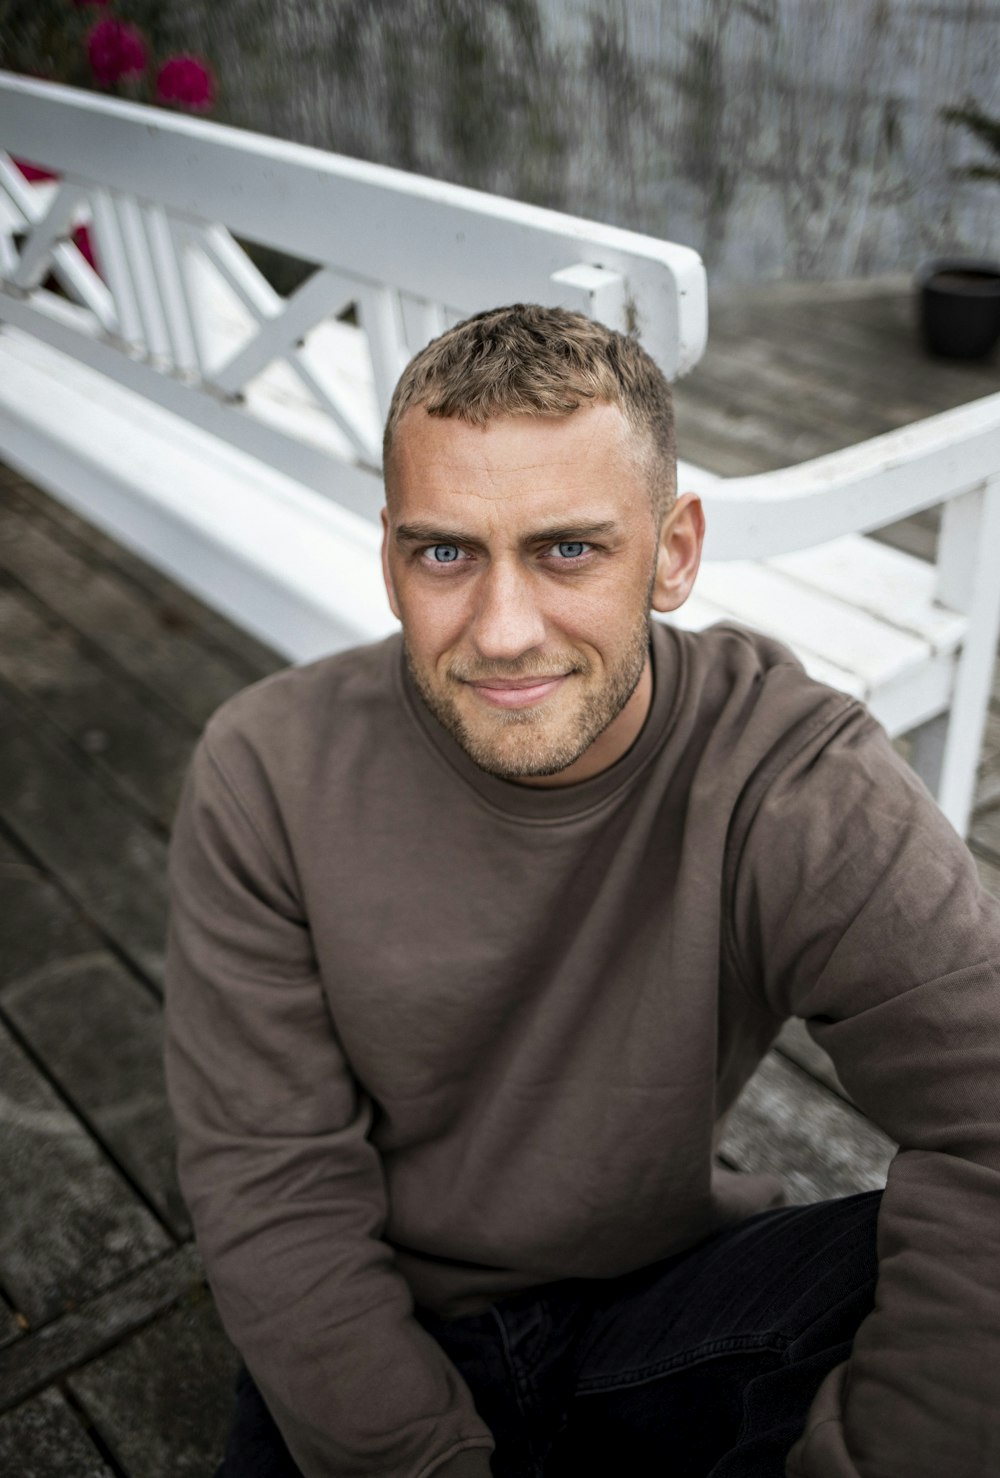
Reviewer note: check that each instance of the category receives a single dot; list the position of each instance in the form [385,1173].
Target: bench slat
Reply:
[887,584]
[78,1227]
[696,613]
[820,624]
[293,566]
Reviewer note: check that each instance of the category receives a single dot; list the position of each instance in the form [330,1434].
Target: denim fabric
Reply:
[700,1366]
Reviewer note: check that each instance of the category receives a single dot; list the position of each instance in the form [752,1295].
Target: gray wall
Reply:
[778,137]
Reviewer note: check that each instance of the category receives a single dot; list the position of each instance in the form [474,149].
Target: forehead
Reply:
[516,468]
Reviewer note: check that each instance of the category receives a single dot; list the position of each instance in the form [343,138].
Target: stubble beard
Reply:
[513,743]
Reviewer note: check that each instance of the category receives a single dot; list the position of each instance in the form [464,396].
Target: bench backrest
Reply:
[169,199]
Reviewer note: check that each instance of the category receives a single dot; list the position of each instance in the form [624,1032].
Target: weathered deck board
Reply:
[985,833]
[786,1122]
[109,859]
[141,747]
[176,609]
[863,340]
[989,875]
[120,621]
[99,1033]
[162,1401]
[10,1328]
[40,926]
[73,1226]
[45,1439]
[95,1325]
[779,353]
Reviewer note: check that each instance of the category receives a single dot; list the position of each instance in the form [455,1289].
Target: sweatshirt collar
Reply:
[553,803]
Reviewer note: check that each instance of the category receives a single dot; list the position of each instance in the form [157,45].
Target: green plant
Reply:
[986,130]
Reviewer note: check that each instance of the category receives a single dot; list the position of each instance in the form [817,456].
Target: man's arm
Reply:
[857,907]
[284,1187]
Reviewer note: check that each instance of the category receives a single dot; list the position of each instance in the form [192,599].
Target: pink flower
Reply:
[115,50]
[33,171]
[186,81]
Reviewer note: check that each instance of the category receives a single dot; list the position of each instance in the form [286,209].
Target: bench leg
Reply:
[967,581]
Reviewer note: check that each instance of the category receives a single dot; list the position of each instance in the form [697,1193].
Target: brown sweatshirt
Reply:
[436,1037]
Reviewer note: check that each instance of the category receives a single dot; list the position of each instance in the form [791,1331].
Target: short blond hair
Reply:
[533,361]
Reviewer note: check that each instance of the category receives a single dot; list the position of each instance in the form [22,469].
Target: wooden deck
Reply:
[111,1357]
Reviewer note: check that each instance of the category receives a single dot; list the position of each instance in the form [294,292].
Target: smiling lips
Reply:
[517,692]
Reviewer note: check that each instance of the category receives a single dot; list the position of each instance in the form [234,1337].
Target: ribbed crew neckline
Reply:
[557,803]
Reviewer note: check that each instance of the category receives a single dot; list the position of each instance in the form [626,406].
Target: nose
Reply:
[507,621]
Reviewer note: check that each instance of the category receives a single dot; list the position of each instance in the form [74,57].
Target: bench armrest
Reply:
[852,491]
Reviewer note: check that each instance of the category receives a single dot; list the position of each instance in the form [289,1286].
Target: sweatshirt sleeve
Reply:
[284,1187]
[858,908]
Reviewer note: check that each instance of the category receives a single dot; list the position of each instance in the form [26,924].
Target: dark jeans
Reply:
[703,1364]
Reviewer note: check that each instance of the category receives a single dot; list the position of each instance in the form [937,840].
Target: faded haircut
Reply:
[526,360]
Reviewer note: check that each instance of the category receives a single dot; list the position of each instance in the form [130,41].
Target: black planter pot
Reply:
[960,307]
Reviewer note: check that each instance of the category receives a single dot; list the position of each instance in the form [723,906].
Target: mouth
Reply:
[517,692]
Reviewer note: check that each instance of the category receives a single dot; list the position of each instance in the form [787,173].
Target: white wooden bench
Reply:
[231,435]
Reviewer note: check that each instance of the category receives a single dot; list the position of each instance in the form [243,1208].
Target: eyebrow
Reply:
[424,533]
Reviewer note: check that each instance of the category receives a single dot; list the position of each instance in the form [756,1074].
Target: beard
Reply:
[519,743]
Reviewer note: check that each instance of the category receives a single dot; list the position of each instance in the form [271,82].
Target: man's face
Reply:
[519,557]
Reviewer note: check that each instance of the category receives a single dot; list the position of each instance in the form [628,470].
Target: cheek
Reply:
[433,618]
[601,611]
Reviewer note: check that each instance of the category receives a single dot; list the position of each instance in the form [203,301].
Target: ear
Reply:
[679,556]
[390,589]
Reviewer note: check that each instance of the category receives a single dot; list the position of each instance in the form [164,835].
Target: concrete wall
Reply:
[778,137]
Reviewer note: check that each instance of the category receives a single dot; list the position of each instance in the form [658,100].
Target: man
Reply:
[476,935]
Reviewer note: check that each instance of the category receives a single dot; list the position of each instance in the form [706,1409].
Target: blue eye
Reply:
[571,550]
[444,554]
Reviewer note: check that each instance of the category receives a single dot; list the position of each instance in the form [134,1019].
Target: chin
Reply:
[521,753]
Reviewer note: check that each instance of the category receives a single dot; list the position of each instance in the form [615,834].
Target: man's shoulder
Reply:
[283,718]
[732,672]
[748,712]
[734,644]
